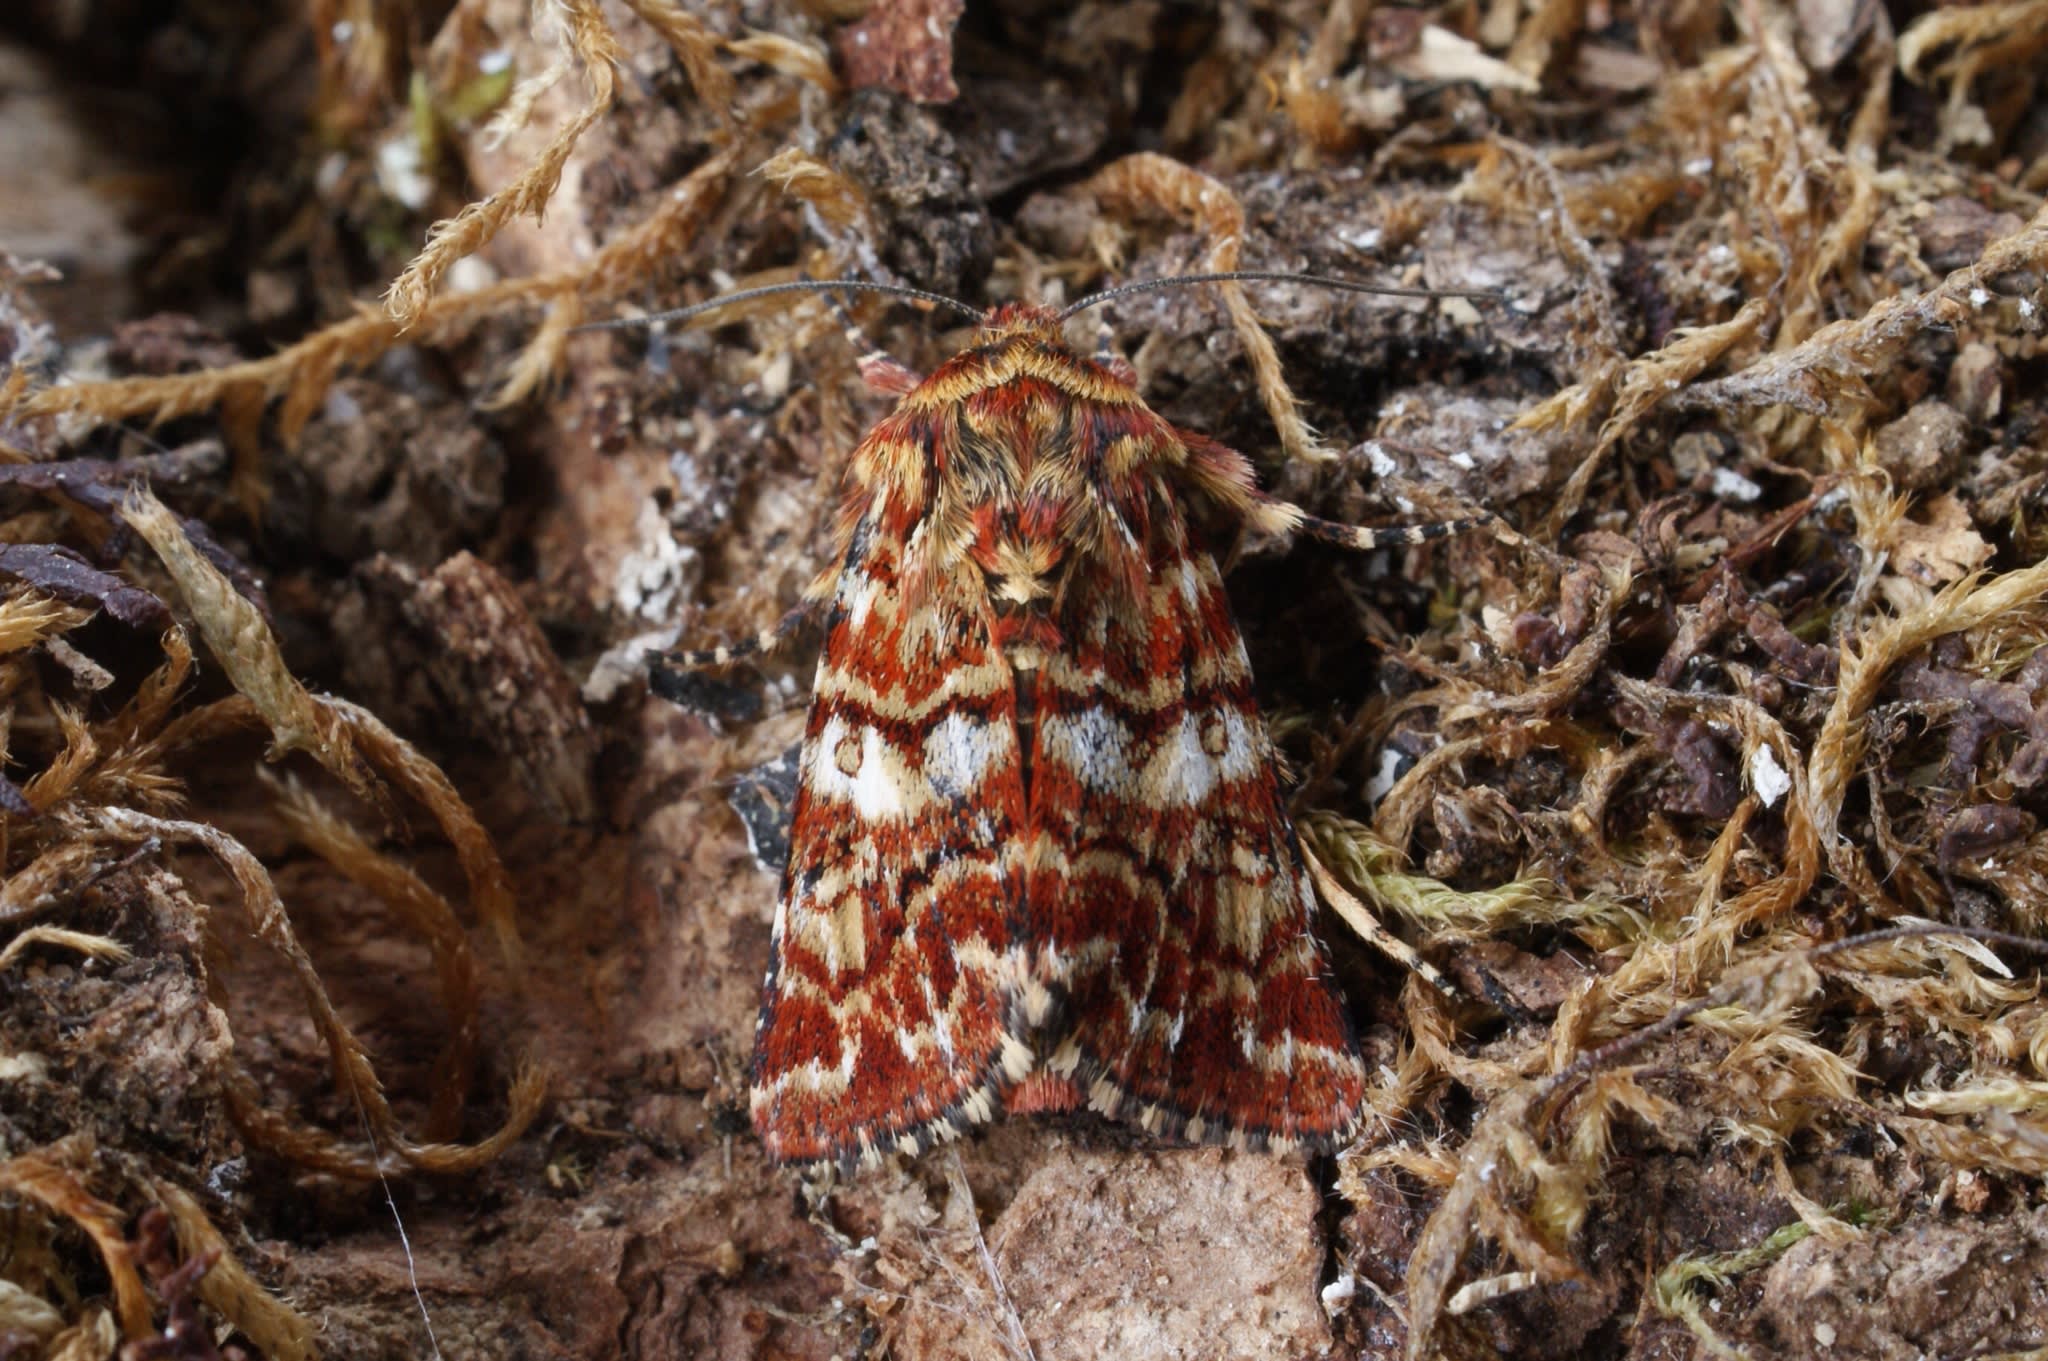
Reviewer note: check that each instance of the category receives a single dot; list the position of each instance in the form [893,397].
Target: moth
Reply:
[1038,853]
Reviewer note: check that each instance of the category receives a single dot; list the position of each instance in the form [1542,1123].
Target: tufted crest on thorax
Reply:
[1020,469]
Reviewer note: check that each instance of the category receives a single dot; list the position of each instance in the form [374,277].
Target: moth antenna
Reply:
[1271,276]
[968,310]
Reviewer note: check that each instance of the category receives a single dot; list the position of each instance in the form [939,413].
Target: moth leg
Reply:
[1225,476]
[1360,919]
[674,664]
[1363,538]
[884,376]
[766,643]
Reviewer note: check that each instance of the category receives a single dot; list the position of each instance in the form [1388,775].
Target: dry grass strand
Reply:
[597,50]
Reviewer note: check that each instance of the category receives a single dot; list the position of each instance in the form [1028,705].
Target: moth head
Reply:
[1013,320]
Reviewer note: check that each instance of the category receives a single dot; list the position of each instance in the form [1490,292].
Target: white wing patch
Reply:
[959,753]
[1093,744]
[1190,762]
[858,767]
[941,1032]
[859,599]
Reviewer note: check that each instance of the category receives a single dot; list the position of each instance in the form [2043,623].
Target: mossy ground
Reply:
[346,758]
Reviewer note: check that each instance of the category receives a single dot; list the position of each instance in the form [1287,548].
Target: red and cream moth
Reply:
[1038,853]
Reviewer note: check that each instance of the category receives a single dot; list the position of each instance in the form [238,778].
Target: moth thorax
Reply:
[1017,556]
[1026,635]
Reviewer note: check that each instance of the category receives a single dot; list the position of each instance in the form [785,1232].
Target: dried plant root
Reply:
[37,1178]
[428,915]
[85,943]
[353,1072]
[280,1332]
[397,760]
[1825,373]
[1969,604]
[1643,386]
[597,50]
[346,739]
[638,257]
[302,373]
[105,785]
[1147,180]
[240,640]
[1505,1158]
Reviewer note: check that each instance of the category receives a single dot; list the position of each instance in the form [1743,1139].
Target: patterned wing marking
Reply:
[886,1015]
[1166,894]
